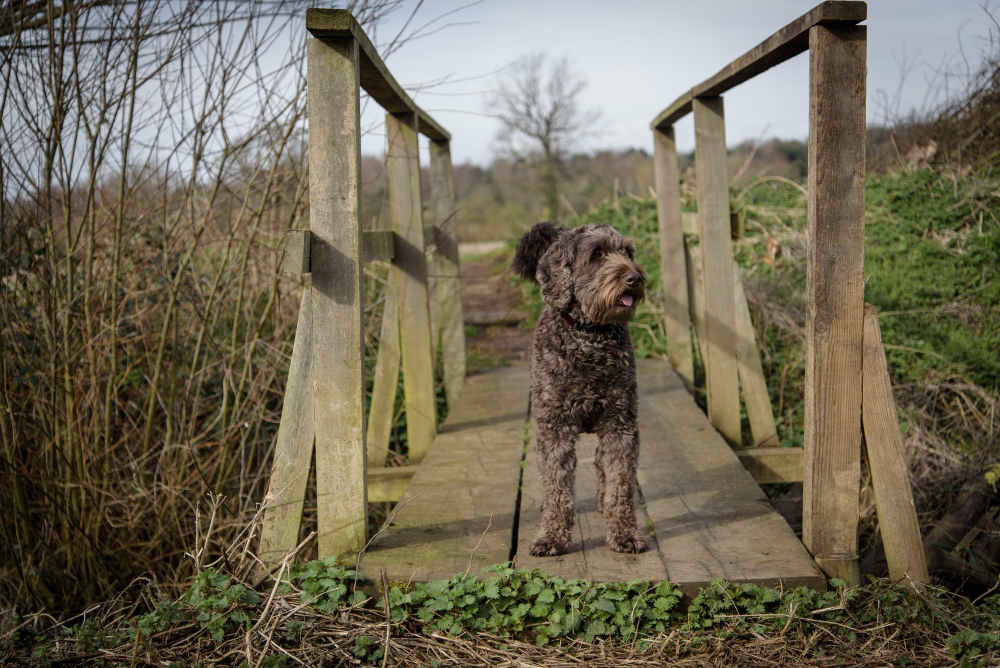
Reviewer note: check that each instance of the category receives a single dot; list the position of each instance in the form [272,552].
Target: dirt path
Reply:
[495,331]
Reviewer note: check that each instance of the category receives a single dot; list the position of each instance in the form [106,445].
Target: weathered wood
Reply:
[711,519]
[410,276]
[696,295]
[755,394]
[378,245]
[721,369]
[676,321]
[382,410]
[832,467]
[447,328]
[897,515]
[787,43]
[374,77]
[298,244]
[770,465]
[338,363]
[286,488]
[458,512]
[387,485]
[690,224]
[588,557]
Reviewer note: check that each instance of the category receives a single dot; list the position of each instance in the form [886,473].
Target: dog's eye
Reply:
[631,253]
[597,254]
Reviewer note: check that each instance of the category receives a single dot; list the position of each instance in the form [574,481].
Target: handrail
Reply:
[376,79]
[788,42]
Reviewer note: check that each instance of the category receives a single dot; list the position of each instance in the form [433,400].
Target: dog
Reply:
[583,376]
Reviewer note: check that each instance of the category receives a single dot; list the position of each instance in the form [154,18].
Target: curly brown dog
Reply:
[583,374]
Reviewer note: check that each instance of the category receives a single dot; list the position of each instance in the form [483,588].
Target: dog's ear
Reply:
[554,273]
[531,247]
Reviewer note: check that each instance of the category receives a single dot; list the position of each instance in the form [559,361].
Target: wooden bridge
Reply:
[471,496]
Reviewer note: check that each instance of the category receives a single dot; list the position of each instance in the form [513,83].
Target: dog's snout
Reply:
[633,279]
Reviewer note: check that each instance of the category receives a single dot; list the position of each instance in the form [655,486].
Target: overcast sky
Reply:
[639,55]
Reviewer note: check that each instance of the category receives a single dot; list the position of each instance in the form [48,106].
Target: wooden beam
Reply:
[298,245]
[447,326]
[375,77]
[721,372]
[387,485]
[382,410]
[286,488]
[771,465]
[897,515]
[755,394]
[410,276]
[677,322]
[835,268]
[690,224]
[378,245]
[787,43]
[338,364]
[696,295]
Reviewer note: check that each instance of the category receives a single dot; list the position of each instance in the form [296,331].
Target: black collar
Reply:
[585,326]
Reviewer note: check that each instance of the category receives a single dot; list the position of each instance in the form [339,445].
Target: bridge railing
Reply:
[324,402]
[716,307]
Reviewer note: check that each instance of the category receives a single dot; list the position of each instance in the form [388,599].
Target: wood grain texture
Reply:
[832,467]
[298,244]
[378,245]
[387,485]
[897,515]
[787,43]
[721,369]
[755,394]
[771,465]
[588,556]
[447,328]
[409,270]
[696,294]
[382,410]
[375,77]
[338,320]
[286,488]
[676,320]
[711,519]
[458,512]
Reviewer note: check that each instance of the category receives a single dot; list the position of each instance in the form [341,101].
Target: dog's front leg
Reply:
[555,450]
[616,461]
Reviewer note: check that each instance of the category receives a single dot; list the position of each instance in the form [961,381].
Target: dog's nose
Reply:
[633,279]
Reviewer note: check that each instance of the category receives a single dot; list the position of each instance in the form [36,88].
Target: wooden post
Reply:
[755,395]
[675,290]
[447,326]
[897,516]
[338,328]
[410,276]
[696,296]
[832,467]
[386,383]
[286,489]
[722,379]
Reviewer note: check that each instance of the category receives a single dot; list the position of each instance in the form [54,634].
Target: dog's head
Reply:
[592,267]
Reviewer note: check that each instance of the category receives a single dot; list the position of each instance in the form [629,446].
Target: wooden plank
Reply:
[298,244]
[375,78]
[382,410]
[588,556]
[447,326]
[721,372]
[787,43]
[770,465]
[458,513]
[711,519]
[690,224]
[286,488]
[677,322]
[835,268]
[387,485]
[410,276]
[897,515]
[338,366]
[755,394]
[696,295]
[378,245]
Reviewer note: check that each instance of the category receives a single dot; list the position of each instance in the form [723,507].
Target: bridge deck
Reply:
[469,505]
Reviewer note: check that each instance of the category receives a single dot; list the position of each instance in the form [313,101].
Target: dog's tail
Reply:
[532,246]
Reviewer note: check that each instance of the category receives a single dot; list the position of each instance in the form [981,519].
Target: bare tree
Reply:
[538,104]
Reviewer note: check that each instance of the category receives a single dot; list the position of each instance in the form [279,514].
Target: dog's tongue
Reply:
[627,300]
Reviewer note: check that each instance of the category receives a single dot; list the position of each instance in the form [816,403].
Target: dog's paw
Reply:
[631,544]
[546,547]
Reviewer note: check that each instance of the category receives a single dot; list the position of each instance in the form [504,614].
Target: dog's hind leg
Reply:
[616,461]
[555,451]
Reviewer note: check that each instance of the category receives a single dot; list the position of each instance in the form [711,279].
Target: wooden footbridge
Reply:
[470,496]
